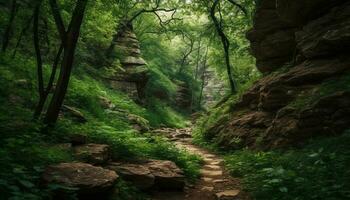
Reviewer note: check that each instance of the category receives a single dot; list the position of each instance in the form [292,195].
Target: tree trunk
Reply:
[40,106]
[226,45]
[183,61]
[8,30]
[69,40]
[38,59]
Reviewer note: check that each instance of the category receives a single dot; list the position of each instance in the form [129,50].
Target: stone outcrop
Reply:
[96,154]
[213,89]
[140,176]
[183,95]
[159,174]
[132,76]
[303,48]
[89,181]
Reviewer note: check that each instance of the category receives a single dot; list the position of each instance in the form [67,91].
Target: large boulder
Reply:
[89,181]
[167,175]
[146,174]
[138,174]
[93,153]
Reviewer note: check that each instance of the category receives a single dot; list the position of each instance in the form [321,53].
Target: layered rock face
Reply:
[303,48]
[213,90]
[132,77]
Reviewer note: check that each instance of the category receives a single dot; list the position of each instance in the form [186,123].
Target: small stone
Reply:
[227,195]
[207,189]
[207,179]
[220,181]
[183,135]
[210,173]
[212,167]
[209,156]
[208,160]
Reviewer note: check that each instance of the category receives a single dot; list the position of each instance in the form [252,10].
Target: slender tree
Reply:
[225,41]
[8,30]
[43,92]
[69,39]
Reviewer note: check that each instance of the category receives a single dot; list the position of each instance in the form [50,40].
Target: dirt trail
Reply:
[215,183]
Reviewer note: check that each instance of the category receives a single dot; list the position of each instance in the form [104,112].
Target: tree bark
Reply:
[8,30]
[69,40]
[40,106]
[184,58]
[37,49]
[226,44]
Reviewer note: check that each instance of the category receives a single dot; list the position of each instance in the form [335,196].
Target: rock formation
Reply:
[96,173]
[132,77]
[90,182]
[213,89]
[183,95]
[302,47]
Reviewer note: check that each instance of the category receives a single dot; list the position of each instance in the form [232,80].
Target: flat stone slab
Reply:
[220,181]
[207,189]
[227,195]
[129,60]
[212,167]
[139,175]
[147,174]
[207,179]
[211,173]
[85,178]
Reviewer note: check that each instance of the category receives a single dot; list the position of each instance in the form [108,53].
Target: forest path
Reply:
[215,183]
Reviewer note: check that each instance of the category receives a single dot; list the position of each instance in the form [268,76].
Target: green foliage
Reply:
[25,151]
[161,114]
[318,171]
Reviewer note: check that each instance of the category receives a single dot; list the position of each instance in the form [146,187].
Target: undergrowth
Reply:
[25,151]
[317,171]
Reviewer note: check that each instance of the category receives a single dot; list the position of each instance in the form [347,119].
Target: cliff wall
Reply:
[303,48]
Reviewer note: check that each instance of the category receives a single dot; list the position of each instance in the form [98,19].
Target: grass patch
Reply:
[318,171]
